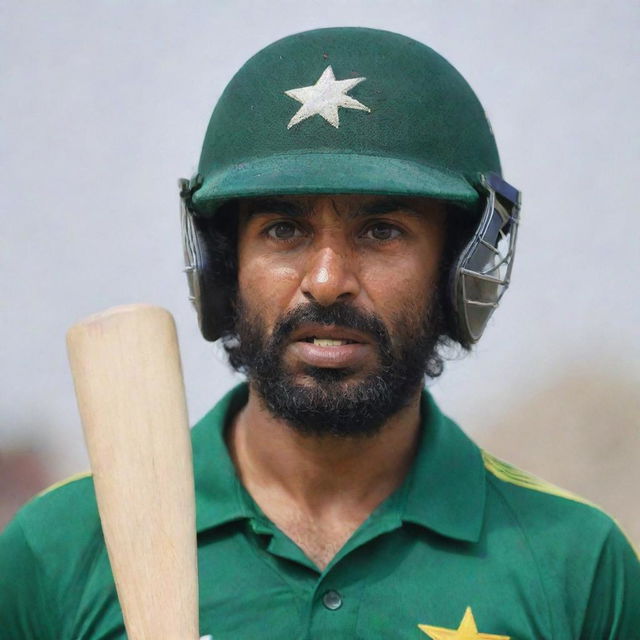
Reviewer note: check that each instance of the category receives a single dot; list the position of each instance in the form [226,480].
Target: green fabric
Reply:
[425,132]
[457,534]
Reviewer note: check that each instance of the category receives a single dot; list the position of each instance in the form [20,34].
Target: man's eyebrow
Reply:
[383,206]
[259,206]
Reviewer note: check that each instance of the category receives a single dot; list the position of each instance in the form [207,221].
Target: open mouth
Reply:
[330,346]
[328,336]
[328,342]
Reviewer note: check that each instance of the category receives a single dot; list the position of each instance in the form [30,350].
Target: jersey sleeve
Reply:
[613,612]
[23,612]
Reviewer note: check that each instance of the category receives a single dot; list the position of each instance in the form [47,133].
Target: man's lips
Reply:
[312,344]
[309,332]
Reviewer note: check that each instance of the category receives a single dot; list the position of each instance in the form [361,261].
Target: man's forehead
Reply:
[351,205]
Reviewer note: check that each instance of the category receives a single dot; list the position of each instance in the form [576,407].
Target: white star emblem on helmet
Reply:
[324,97]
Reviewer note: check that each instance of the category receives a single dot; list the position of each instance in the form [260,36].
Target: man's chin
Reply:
[332,402]
[341,378]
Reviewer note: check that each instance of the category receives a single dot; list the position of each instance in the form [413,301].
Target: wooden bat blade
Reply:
[128,379]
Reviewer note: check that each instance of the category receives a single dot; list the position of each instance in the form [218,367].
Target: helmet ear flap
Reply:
[211,304]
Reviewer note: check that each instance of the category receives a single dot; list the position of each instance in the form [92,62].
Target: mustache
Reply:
[339,314]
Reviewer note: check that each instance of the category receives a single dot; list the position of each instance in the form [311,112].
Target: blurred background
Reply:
[105,105]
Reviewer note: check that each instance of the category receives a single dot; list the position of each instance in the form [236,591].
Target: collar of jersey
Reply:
[444,492]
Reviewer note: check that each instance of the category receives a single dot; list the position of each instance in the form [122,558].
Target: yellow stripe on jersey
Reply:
[62,483]
[504,471]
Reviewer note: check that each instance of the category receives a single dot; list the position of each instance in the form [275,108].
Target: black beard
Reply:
[332,405]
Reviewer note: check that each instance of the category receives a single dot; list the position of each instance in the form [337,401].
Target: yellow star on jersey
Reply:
[466,631]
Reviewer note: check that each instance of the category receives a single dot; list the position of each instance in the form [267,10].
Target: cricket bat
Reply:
[127,375]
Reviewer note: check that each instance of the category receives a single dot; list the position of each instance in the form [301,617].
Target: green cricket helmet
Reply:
[351,110]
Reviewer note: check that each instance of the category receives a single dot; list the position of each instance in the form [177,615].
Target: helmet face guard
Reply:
[191,246]
[479,278]
[483,270]
[204,292]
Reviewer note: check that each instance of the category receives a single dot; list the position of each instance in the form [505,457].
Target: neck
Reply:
[321,475]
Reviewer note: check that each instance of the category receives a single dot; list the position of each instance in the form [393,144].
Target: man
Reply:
[347,221]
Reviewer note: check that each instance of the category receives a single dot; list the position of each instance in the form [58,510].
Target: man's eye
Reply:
[382,231]
[283,231]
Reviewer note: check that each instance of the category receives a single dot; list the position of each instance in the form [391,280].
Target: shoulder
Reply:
[60,509]
[58,522]
[579,556]
[540,506]
[44,551]
[562,534]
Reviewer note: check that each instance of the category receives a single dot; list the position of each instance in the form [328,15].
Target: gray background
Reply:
[105,105]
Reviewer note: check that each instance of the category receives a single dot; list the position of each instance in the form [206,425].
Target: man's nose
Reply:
[330,276]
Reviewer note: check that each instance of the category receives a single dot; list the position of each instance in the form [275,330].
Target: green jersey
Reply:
[468,548]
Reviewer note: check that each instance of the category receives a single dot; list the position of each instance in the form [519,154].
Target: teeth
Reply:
[328,342]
